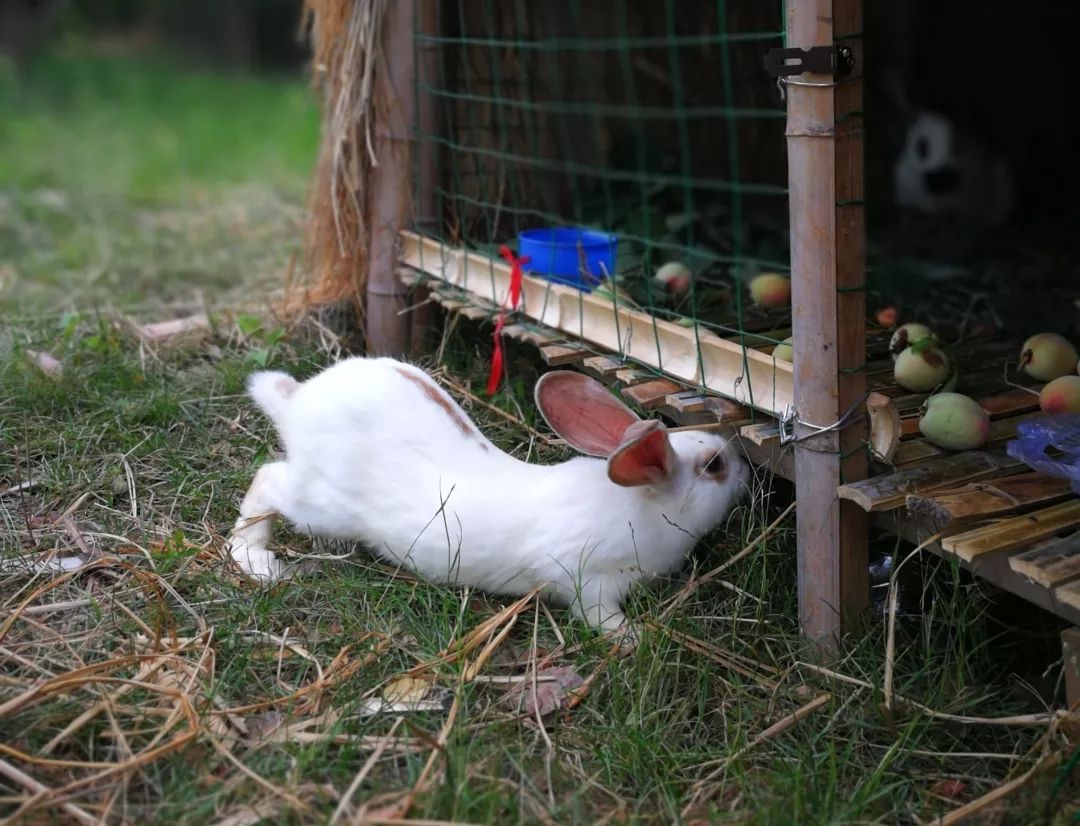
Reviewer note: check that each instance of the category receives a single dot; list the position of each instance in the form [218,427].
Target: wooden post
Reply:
[426,203]
[825,170]
[387,331]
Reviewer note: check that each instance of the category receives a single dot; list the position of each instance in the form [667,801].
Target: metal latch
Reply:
[837,61]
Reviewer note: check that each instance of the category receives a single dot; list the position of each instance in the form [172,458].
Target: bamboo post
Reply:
[825,168]
[387,330]
[425,217]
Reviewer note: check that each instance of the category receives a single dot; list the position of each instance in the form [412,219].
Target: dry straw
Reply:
[349,65]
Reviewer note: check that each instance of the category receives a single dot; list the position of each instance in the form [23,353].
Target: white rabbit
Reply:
[942,170]
[377,452]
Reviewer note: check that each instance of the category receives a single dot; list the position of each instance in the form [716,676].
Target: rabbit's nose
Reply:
[943,180]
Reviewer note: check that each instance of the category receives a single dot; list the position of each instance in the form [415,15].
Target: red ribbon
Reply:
[515,296]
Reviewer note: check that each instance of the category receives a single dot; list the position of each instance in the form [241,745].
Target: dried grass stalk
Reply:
[349,65]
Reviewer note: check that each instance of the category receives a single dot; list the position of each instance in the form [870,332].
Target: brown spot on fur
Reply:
[432,392]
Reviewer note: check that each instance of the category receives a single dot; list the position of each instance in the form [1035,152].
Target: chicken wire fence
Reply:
[650,122]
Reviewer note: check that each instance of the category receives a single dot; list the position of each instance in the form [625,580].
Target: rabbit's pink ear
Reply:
[583,412]
[645,456]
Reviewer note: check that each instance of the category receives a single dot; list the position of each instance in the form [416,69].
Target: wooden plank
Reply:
[777,460]
[688,401]
[650,394]
[762,434]
[602,367]
[1017,532]
[1000,430]
[984,500]
[1010,403]
[530,335]
[558,355]
[629,376]
[915,450]
[387,192]
[993,567]
[1069,594]
[891,490]
[828,302]
[1050,563]
[726,410]
[474,313]
[998,405]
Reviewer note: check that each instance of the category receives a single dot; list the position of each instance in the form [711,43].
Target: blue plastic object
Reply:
[1060,433]
[556,254]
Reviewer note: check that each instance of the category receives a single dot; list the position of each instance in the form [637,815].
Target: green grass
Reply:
[143,454]
[151,129]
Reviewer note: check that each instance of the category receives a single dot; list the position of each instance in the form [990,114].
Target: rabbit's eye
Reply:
[922,148]
[717,465]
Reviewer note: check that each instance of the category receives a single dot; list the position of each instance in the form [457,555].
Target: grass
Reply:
[211,699]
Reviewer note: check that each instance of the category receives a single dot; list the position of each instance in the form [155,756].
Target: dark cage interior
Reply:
[650,120]
[971,167]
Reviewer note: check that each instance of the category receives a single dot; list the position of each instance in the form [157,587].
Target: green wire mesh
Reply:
[649,119]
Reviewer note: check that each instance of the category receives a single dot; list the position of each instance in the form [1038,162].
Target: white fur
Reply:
[985,192]
[370,456]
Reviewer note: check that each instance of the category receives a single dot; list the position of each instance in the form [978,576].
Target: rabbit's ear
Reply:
[645,456]
[583,412]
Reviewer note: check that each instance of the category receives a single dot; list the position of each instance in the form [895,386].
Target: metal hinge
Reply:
[837,61]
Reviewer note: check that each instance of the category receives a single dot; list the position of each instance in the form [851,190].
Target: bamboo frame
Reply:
[700,358]
[387,330]
[825,169]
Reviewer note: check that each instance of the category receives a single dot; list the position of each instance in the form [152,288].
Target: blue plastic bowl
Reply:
[554,254]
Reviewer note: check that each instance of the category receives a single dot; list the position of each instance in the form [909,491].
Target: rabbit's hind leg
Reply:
[250,538]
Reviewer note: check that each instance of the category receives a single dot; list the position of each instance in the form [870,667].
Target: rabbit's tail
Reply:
[271,390]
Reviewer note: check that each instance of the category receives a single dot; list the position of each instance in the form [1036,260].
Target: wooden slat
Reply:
[475,313]
[1050,563]
[993,567]
[915,450]
[558,355]
[629,376]
[988,499]
[1000,430]
[828,303]
[998,405]
[650,394]
[726,410]
[762,434]
[1017,532]
[601,367]
[530,335]
[1069,594]
[890,490]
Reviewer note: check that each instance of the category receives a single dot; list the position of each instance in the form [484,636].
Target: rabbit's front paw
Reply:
[254,560]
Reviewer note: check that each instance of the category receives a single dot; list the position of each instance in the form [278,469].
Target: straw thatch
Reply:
[349,66]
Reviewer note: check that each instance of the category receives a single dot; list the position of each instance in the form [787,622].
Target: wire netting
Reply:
[650,120]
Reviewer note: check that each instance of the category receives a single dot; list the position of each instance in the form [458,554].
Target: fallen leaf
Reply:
[408,694]
[406,690]
[950,787]
[548,693]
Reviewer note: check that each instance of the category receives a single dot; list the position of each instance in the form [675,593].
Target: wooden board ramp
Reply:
[1050,563]
[948,508]
[1015,528]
